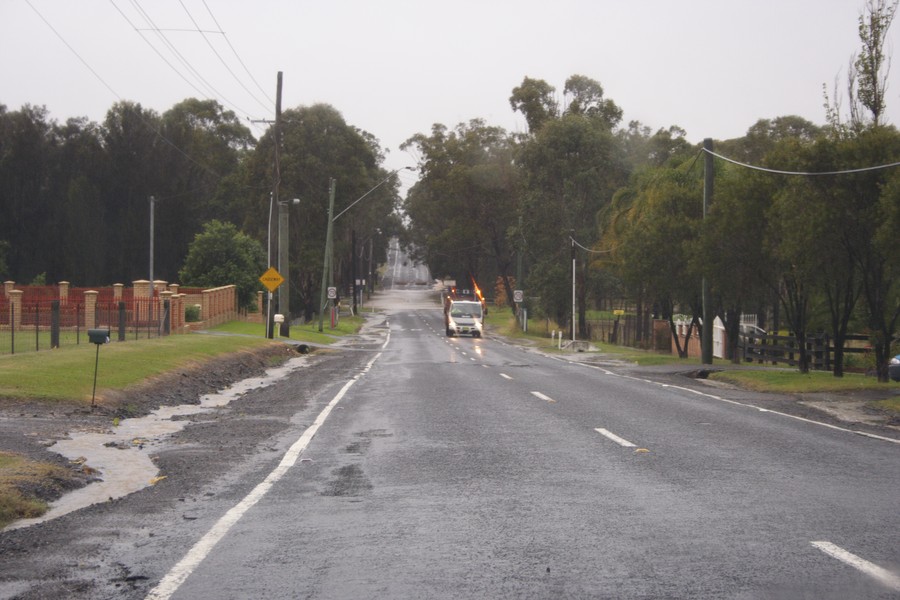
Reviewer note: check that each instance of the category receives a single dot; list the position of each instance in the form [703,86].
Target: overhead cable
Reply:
[150,126]
[802,173]
[219,56]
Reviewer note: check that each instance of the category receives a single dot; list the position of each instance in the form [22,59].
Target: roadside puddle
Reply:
[122,456]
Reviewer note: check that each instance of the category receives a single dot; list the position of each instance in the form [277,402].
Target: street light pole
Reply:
[269,324]
[152,211]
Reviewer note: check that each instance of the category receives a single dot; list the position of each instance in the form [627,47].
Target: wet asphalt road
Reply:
[468,468]
[465,468]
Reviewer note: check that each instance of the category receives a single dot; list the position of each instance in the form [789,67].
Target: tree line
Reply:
[813,251]
[75,196]
[816,249]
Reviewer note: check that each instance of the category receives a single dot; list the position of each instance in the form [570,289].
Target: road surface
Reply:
[413,465]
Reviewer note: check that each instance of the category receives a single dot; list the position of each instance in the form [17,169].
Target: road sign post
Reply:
[271,279]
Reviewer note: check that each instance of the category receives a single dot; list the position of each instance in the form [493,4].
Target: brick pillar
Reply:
[177,313]
[118,290]
[8,286]
[90,309]
[141,300]
[64,292]
[15,306]
[205,307]
[173,287]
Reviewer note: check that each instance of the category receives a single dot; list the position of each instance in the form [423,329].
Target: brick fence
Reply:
[144,302]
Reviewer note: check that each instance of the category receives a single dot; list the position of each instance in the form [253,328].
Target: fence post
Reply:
[54,324]
[122,321]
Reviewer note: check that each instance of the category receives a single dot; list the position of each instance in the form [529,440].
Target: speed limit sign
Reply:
[332,293]
[518,296]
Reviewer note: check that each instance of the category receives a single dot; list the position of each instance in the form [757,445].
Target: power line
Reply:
[219,56]
[801,173]
[73,51]
[574,241]
[215,93]
[158,53]
[152,128]
[237,56]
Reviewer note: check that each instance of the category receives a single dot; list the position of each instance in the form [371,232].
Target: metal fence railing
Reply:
[46,324]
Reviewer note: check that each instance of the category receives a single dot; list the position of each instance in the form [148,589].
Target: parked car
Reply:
[894,368]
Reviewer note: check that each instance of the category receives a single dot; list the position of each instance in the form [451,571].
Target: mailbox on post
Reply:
[99,337]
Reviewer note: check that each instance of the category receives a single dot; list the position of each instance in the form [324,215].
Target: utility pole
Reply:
[519,285]
[284,290]
[706,337]
[323,304]
[572,237]
[353,273]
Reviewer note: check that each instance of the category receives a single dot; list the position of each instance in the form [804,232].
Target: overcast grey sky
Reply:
[395,67]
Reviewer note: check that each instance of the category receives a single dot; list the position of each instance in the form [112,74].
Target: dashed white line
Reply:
[880,574]
[610,435]
[542,397]
[505,376]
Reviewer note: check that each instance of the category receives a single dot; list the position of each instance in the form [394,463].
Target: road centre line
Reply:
[505,376]
[734,402]
[542,397]
[169,584]
[880,574]
[610,435]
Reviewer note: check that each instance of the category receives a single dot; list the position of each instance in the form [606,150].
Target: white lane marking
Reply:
[505,376]
[734,402]
[610,435]
[880,574]
[542,397]
[181,571]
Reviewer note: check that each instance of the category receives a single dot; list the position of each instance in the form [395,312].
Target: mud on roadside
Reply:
[30,427]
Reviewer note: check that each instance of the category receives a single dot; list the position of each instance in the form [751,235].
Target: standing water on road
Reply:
[122,457]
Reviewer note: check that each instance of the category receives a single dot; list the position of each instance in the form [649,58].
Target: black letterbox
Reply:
[98,336]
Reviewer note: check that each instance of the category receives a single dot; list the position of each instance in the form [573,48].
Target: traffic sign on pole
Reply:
[271,279]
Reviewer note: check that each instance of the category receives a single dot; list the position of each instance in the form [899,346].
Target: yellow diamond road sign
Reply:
[271,279]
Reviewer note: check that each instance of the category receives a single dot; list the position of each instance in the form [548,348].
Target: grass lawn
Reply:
[764,379]
[19,478]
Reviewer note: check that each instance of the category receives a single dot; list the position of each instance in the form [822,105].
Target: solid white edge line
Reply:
[610,435]
[873,436]
[880,574]
[177,575]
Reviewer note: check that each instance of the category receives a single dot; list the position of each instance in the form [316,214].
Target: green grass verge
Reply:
[20,479]
[787,381]
[308,332]
[765,379]
[538,336]
[68,373]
